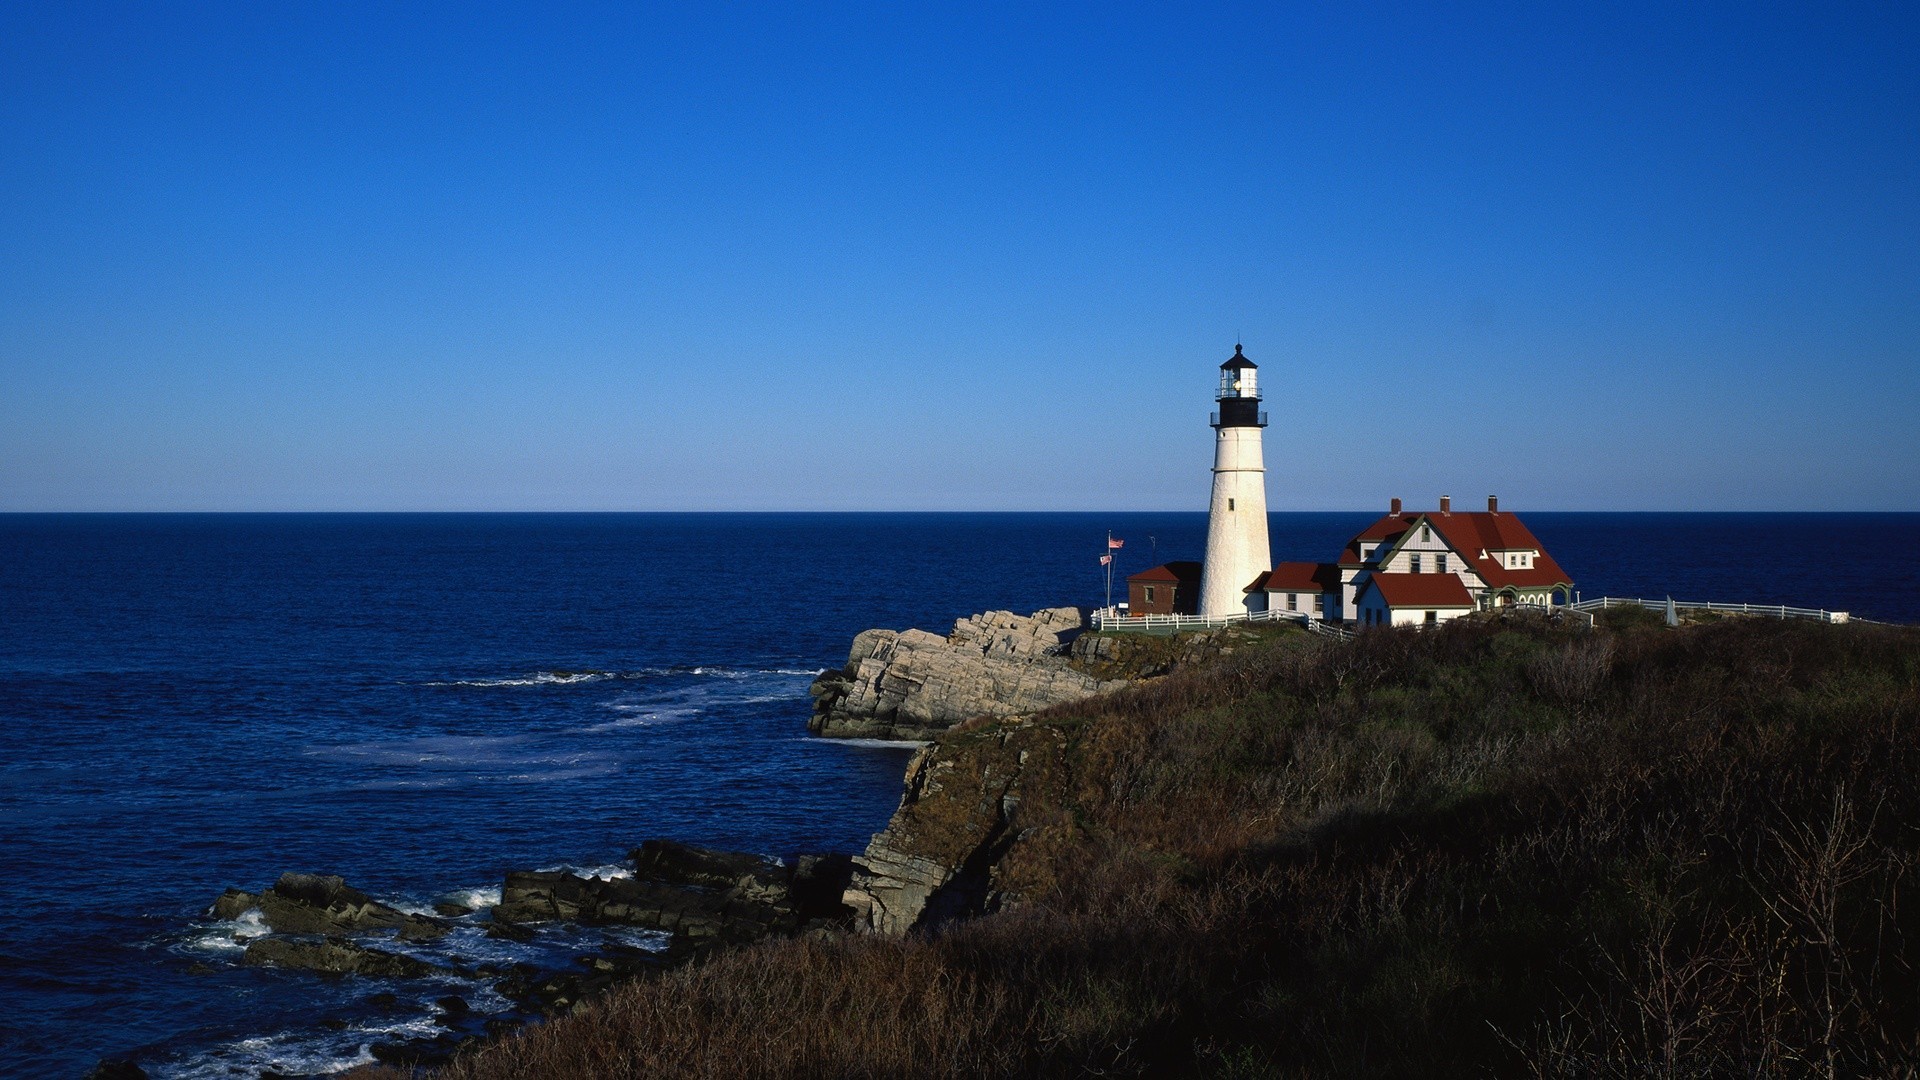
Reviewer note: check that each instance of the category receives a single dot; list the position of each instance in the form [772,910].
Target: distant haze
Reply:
[418,257]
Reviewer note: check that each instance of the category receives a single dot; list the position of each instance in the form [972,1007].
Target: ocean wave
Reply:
[568,678]
[296,1053]
[227,935]
[538,678]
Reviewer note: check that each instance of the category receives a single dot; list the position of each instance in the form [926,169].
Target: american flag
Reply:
[1105,559]
[1113,542]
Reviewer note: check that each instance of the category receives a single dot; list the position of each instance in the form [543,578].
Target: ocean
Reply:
[421,702]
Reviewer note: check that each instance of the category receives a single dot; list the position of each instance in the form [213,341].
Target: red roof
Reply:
[1182,572]
[1385,530]
[1419,590]
[1471,532]
[1298,577]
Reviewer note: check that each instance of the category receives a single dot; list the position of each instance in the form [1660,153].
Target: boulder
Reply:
[325,904]
[233,903]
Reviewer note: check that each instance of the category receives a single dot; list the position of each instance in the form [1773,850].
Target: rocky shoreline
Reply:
[938,857]
[695,899]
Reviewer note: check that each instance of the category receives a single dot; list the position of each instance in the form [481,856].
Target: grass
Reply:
[1492,849]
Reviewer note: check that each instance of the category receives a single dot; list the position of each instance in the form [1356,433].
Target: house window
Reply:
[1414,562]
[1440,563]
[1433,618]
[1293,601]
[1149,594]
[1317,604]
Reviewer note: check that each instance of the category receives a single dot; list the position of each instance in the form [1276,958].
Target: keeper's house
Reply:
[1413,568]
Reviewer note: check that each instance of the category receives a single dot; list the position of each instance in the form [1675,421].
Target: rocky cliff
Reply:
[911,684]
[984,814]
[969,799]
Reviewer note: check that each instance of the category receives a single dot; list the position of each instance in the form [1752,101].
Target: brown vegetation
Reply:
[1494,848]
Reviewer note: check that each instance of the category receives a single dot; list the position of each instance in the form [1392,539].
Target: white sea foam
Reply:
[538,678]
[874,744]
[635,937]
[604,872]
[567,678]
[227,935]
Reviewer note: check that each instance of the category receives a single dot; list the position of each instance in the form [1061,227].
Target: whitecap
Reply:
[228,935]
[538,678]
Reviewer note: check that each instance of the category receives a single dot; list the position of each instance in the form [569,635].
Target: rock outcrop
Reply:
[335,956]
[911,684]
[969,800]
[697,894]
[324,904]
[982,810]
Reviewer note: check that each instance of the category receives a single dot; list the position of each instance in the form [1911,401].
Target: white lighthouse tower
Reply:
[1237,550]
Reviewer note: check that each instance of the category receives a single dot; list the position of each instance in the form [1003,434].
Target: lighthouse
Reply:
[1237,550]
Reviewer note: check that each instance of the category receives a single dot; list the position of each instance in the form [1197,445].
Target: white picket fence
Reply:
[1778,611]
[1113,619]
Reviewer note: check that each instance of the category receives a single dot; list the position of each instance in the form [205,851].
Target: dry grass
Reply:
[1505,850]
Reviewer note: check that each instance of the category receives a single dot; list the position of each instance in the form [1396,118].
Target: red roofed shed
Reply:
[1168,589]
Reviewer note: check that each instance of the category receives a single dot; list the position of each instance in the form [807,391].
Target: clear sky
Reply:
[412,257]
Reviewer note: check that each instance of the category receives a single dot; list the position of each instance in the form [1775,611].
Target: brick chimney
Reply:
[1446,504]
[1493,504]
[1395,511]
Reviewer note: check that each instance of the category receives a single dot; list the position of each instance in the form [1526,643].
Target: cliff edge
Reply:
[912,684]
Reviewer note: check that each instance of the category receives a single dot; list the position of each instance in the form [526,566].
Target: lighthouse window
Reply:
[1229,504]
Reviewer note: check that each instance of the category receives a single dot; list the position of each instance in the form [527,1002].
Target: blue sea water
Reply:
[422,702]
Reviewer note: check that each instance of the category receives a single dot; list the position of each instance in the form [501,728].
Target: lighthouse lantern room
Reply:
[1237,548]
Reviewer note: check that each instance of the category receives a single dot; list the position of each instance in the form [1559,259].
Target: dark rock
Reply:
[453,1006]
[383,1000]
[750,908]
[233,903]
[672,863]
[510,932]
[117,1069]
[335,956]
[415,1054]
[819,884]
[325,904]
[451,909]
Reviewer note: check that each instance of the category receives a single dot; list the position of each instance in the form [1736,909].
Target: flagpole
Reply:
[1109,555]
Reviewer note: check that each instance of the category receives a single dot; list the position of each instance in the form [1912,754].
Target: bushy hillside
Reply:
[1498,848]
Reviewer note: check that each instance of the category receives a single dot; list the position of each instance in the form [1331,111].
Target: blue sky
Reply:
[415,257]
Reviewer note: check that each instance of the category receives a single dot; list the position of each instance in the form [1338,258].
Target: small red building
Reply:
[1168,589]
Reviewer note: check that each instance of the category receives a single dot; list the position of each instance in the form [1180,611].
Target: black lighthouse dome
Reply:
[1239,395]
